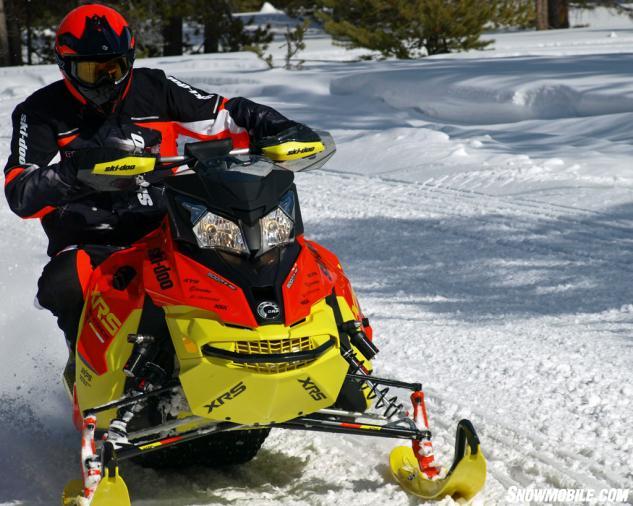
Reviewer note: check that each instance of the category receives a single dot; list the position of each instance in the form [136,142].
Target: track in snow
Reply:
[550,288]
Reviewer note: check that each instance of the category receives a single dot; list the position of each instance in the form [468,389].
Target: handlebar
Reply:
[292,155]
[176,165]
[184,159]
[164,167]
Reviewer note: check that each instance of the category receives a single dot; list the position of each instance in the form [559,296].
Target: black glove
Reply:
[297,133]
[110,140]
[84,160]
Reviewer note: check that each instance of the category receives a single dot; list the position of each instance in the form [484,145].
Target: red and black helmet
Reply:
[94,48]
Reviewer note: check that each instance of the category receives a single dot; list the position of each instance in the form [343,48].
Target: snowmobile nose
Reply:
[465,478]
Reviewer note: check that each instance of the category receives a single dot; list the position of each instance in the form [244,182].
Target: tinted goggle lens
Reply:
[91,72]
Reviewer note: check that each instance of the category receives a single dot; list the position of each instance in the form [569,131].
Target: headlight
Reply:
[213,231]
[276,229]
[287,204]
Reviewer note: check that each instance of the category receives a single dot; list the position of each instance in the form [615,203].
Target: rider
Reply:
[101,111]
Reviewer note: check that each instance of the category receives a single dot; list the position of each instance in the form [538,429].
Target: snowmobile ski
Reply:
[415,470]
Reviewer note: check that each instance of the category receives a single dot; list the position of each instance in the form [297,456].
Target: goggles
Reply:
[92,73]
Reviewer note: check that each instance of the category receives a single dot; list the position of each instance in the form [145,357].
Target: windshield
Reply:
[243,164]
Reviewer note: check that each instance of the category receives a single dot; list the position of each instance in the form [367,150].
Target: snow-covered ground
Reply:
[482,205]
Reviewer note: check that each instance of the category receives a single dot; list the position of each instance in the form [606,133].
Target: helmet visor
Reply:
[93,72]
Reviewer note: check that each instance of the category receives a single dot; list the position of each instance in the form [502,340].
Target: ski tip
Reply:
[465,479]
[112,491]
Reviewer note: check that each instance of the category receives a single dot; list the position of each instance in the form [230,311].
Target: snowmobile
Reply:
[226,322]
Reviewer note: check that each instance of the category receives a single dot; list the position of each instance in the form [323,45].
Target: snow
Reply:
[480,203]
[269,8]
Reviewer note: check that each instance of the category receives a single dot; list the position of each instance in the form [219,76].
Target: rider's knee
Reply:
[59,285]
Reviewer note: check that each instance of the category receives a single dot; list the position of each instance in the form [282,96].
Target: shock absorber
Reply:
[143,352]
[368,349]
[147,376]
[354,329]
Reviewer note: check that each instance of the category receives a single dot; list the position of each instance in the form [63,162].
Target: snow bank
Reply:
[600,18]
[488,91]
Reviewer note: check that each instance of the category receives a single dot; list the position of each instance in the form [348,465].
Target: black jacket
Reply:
[157,111]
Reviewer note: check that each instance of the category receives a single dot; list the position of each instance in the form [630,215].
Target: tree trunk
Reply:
[211,35]
[4,38]
[29,35]
[172,36]
[542,22]
[14,32]
[558,13]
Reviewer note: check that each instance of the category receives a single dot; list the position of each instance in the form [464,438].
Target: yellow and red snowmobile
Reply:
[226,322]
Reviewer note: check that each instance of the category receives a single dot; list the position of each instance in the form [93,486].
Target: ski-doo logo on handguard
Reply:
[127,166]
[226,396]
[298,151]
[119,168]
[312,389]
[268,310]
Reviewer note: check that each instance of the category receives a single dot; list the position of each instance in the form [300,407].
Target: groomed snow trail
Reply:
[508,307]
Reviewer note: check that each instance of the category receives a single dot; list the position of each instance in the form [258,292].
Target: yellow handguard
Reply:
[292,150]
[465,479]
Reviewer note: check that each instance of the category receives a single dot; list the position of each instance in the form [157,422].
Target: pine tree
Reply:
[411,28]
[221,29]
[295,44]
[171,30]
[249,5]
[171,20]
[298,8]
[28,24]
[14,17]
[513,13]
[374,24]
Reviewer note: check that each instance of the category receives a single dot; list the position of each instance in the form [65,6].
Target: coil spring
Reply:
[390,405]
